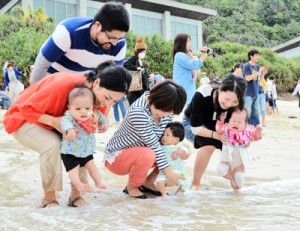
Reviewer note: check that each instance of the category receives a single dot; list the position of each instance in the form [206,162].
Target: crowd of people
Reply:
[147,145]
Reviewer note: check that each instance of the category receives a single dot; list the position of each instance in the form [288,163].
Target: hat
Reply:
[140,44]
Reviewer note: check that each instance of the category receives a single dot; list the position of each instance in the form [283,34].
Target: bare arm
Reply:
[54,122]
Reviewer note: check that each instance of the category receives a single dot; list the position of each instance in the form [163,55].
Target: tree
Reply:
[22,33]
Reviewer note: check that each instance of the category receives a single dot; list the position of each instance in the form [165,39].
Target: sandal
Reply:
[45,205]
[148,190]
[143,196]
[72,202]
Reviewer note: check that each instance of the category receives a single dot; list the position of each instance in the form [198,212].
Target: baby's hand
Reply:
[258,132]
[71,135]
[102,127]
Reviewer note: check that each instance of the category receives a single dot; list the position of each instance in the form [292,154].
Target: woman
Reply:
[183,65]
[135,63]
[135,148]
[208,105]
[12,81]
[34,120]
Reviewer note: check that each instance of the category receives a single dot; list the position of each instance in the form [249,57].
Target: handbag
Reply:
[136,81]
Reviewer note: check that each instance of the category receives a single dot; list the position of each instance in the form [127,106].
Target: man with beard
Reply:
[78,45]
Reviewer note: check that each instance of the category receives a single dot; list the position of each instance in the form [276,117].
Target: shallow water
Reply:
[260,206]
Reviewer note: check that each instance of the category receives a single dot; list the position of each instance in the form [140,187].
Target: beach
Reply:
[269,201]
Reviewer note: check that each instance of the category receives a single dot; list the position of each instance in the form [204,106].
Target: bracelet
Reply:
[212,134]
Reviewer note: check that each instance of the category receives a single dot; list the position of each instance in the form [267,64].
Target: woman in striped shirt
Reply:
[135,148]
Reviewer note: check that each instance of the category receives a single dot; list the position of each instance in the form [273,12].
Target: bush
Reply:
[22,33]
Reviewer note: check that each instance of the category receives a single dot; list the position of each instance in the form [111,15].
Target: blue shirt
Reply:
[252,85]
[183,73]
[71,49]
[85,143]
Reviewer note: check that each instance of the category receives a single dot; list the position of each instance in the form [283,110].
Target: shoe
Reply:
[72,202]
[148,190]
[137,197]
[45,205]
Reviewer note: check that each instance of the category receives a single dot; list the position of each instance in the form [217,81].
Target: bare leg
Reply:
[149,183]
[201,162]
[75,193]
[95,174]
[132,190]
[230,176]
[74,177]
[263,120]
[50,196]
[239,176]
[161,186]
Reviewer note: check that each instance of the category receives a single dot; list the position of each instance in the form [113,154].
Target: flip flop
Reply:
[72,202]
[148,190]
[50,202]
[143,196]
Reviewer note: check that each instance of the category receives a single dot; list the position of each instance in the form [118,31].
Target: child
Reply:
[235,157]
[171,141]
[79,144]
[195,72]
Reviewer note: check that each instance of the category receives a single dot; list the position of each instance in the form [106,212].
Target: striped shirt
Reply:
[139,130]
[71,49]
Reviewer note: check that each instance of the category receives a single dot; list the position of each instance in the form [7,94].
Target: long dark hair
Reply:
[180,43]
[234,83]
[113,77]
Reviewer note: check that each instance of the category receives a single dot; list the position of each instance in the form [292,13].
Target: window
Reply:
[192,30]
[58,10]
[145,25]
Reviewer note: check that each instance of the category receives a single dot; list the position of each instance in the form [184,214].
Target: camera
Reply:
[209,50]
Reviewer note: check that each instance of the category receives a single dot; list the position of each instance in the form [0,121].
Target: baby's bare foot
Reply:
[234,185]
[101,186]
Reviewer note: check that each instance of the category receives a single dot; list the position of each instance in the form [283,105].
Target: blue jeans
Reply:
[116,109]
[262,104]
[188,131]
[252,106]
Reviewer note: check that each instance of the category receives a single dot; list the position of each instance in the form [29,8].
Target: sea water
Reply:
[261,205]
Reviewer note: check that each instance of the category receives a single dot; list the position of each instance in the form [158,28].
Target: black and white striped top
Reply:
[139,130]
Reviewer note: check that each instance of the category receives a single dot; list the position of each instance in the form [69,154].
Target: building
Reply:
[288,49]
[164,17]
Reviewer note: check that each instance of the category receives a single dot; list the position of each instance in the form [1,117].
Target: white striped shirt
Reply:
[139,130]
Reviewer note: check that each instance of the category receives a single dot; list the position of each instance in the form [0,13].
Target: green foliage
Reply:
[262,23]
[22,33]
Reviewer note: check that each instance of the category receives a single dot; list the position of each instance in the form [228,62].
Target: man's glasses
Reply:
[113,39]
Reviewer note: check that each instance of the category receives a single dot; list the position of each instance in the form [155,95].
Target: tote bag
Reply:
[136,82]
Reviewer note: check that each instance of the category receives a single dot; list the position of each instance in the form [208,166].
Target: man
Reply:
[78,45]
[253,74]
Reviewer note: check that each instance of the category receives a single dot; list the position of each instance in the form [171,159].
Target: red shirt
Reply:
[47,96]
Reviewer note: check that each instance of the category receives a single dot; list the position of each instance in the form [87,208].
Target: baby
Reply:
[171,141]
[79,144]
[235,157]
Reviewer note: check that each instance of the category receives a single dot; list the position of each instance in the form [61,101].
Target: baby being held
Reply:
[172,141]
[79,144]
[235,156]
